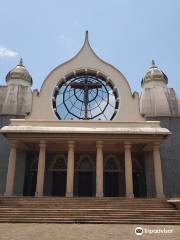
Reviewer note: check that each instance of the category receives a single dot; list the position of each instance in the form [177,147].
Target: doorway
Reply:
[58,168]
[30,183]
[85,184]
[112,176]
[139,178]
[30,176]
[85,176]
[111,184]
[59,183]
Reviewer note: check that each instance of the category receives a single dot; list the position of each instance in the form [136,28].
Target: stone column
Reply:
[70,170]
[11,169]
[128,171]
[41,170]
[99,169]
[158,171]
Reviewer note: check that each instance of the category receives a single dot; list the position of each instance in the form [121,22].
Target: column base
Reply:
[160,195]
[99,194]
[8,194]
[38,194]
[69,194]
[130,195]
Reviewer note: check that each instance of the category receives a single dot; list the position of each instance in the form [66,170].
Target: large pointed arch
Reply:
[86,60]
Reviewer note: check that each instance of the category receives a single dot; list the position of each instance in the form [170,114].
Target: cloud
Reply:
[7,53]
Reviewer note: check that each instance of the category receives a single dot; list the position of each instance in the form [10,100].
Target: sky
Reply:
[125,33]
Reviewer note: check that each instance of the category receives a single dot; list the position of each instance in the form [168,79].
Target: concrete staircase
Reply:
[87,210]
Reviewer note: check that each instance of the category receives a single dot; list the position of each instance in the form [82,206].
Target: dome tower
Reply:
[16,96]
[157,100]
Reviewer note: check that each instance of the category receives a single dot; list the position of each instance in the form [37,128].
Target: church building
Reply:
[85,134]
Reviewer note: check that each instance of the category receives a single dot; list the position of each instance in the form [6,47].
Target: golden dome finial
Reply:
[153,65]
[21,62]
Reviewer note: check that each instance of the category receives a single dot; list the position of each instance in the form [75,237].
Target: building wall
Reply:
[4,154]
[170,155]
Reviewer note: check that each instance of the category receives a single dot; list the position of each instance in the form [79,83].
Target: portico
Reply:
[82,146]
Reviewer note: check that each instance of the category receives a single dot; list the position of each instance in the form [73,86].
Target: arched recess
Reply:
[58,167]
[85,175]
[139,176]
[31,175]
[113,176]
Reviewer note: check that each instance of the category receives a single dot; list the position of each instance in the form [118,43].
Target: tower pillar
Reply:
[128,171]
[70,169]
[99,169]
[158,171]
[41,170]
[11,169]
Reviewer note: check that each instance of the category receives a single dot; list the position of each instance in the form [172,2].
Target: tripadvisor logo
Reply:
[139,231]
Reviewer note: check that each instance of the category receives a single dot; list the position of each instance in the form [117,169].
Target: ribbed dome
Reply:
[154,75]
[19,75]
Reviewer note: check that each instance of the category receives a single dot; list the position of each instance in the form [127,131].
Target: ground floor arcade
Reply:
[86,166]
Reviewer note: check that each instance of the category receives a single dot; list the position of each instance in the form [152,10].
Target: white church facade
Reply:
[85,134]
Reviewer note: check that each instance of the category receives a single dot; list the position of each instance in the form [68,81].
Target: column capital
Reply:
[13,144]
[99,144]
[42,144]
[71,144]
[127,145]
[156,146]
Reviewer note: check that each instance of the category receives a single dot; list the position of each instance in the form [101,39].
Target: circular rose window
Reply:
[85,96]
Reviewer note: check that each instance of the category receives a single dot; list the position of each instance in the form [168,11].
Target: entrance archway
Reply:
[112,176]
[59,173]
[85,176]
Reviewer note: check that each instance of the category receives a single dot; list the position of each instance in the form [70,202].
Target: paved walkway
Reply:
[85,232]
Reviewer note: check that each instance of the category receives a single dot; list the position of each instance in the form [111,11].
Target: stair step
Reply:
[87,210]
